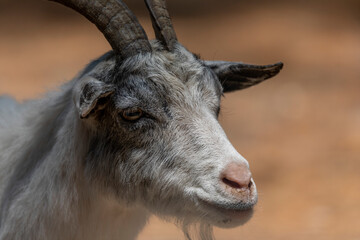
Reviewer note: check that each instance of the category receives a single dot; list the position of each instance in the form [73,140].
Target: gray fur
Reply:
[71,167]
[53,163]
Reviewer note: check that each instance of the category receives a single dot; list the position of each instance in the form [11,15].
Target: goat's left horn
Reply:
[115,20]
[161,21]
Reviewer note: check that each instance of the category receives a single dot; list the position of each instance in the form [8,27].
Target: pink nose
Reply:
[237,175]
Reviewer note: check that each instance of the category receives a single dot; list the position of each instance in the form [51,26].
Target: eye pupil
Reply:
[132,114]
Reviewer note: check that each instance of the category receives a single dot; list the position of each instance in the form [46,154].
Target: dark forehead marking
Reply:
[136,84]
[139,90]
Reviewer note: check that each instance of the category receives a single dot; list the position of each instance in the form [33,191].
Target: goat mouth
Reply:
[237,213]
[229,207]
[228,215]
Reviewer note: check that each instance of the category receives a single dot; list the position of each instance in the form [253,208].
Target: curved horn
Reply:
[161,21]
[115,20]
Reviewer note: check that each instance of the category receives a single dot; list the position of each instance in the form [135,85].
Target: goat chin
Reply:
[202,229]
[238,220]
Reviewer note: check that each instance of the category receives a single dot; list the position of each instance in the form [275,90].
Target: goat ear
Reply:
[91,96]
[236,76]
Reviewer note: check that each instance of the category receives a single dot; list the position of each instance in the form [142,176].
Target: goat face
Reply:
[151,109]
[156,138]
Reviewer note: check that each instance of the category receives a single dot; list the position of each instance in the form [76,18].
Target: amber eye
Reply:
[132,114]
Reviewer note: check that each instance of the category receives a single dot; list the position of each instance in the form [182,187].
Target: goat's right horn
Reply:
[161,21]
[115,20]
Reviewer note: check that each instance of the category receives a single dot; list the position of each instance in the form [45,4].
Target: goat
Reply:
[135,133]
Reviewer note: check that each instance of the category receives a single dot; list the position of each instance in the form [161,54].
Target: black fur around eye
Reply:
[132,114]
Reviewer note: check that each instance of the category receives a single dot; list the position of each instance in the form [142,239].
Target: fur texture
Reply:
[69,175]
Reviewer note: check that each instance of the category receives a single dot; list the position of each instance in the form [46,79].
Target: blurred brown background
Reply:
[300,131]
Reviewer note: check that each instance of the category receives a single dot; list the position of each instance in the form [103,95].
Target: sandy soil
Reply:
[299,131]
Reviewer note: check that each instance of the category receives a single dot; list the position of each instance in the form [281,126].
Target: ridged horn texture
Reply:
[161,21]
[115,20]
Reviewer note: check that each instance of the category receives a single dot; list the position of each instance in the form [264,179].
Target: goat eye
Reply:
[132,114]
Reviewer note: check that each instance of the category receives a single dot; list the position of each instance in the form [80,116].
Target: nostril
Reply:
[237,176]
[231,183]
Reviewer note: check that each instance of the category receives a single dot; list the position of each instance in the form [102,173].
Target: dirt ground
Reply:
[299,131]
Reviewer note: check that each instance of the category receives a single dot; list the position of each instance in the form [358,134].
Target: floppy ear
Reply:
[91,96]
[235,75]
